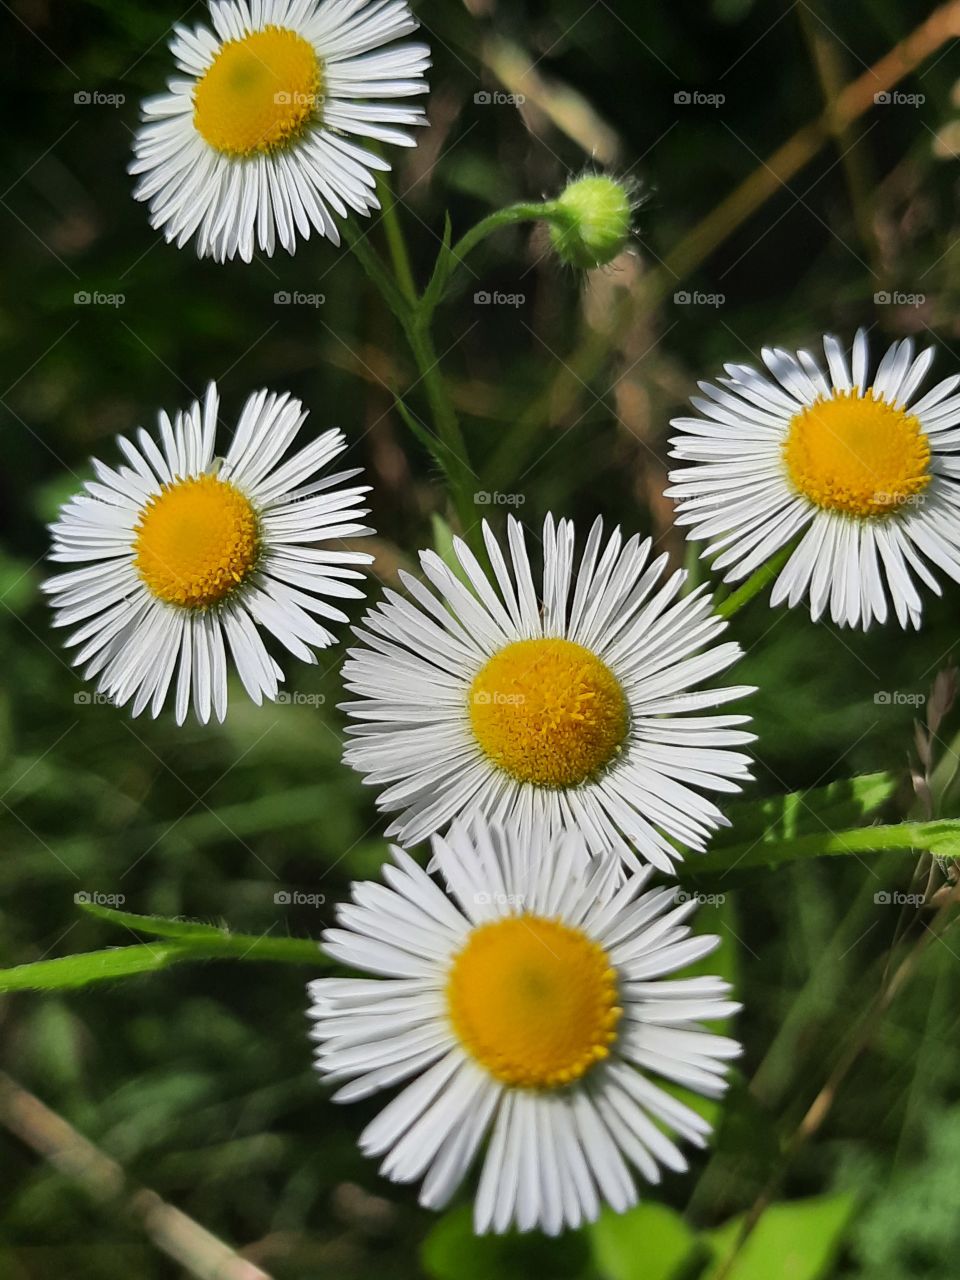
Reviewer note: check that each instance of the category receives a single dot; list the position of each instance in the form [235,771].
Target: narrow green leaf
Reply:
[941,838]
[95,966]
[432,443]
[839,804]
[433,293]
[102,966]
[155,926]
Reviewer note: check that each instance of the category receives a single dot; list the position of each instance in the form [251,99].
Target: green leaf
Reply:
[839,804]
[207,943]
[431,442]
[940,837]
[156,926]
[651,1242]
[433,293]
[95,966]
[797,1240]
[451,1251]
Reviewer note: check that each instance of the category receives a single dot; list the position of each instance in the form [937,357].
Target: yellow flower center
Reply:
[259,92]
[196,541]
[533,1001]
[857,454]
[549,712]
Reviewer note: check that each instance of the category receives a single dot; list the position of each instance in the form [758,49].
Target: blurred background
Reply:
[774,203]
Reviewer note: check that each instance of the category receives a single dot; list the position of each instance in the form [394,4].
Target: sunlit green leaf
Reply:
[452,1252]
[798,1240]
[941,838]
[840,804]
[651,1242]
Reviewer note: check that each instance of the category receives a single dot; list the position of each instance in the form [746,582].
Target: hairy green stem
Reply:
[452,453]
[414,313]
[452,257]
[455,459]
[525,211]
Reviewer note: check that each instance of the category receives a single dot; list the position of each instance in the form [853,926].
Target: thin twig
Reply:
[851,102]
[169,1229]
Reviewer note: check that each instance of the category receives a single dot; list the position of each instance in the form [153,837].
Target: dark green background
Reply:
[198,1081]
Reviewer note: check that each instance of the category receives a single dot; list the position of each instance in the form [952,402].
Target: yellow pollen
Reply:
[857,454]
[259,93]
[534,1001]
[196,541]
[549,712]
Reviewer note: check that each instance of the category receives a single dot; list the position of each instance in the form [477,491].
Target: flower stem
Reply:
[754,584]
[452,256]
[454,455]
[377,273]
[525,211]
[451,450]
[397,244]
[415,311]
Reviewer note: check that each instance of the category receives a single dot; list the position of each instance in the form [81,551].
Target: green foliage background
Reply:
[197,1080]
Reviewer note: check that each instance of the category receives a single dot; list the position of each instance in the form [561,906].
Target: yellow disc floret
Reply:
[534,1001]
[196,541]
[259,93]
[857,454]
[549,712]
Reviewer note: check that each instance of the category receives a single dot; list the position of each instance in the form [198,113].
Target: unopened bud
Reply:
[591,221]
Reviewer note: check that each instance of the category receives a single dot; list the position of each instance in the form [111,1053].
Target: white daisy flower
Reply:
[253,142]
[535,1007]
[863,470]
[576,711]
[184,554]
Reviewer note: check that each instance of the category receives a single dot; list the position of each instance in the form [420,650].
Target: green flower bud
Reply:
[590,223]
